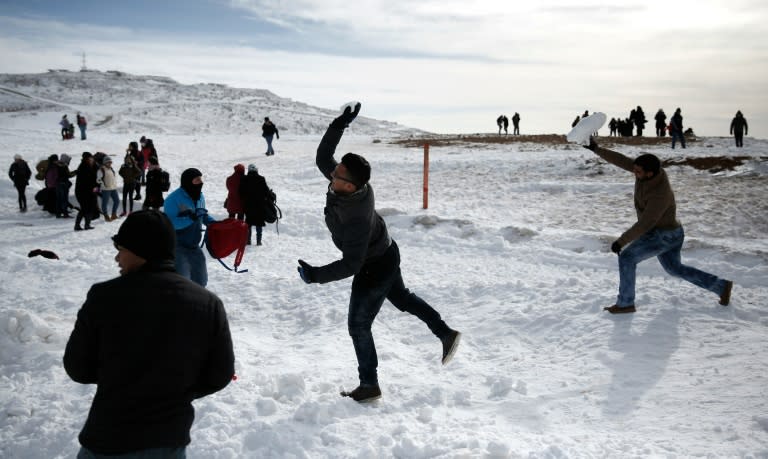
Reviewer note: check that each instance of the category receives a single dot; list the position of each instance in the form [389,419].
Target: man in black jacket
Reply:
[368,254]
[152,341]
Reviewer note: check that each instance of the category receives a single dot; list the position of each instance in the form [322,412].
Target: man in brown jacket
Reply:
[657,233]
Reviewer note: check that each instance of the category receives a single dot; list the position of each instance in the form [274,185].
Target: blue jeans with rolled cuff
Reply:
[664,245]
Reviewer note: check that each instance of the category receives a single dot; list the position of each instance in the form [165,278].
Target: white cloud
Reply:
[444,66]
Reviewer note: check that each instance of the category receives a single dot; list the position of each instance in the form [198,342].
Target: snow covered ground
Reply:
[513,251]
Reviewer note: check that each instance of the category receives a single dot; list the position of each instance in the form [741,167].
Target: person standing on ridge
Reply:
[516,124]
[676,128]
[739,128]
[368,254]
[657,232]
[268,130]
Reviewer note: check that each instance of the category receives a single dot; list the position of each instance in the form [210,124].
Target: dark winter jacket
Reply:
[661,119]
[154,190]
[654,199]
[86,180]
[356,228]
[269,128]
[676,122]
[739,124]
[20,173]
[152,341]
[253,192]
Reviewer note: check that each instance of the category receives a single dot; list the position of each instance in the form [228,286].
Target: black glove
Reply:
[343,120]
[592,146]
[616,247]
[305,271]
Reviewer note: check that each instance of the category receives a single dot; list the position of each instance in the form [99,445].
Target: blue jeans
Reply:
[106,195]
[152,453]
[378,280]
[190,263]
[677,135]
[270,151]
[82,132]
[664,245]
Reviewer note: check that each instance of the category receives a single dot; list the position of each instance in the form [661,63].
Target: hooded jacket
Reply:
[187,214]
[152,341]
[654,199]
[356,228]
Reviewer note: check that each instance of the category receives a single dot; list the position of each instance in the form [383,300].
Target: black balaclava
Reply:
[192,190]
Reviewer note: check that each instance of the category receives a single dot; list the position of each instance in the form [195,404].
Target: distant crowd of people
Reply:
[503,123]
[634,125]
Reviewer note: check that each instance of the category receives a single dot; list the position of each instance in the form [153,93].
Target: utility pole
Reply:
[83,68]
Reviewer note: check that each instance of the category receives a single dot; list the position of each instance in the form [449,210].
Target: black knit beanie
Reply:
[149,234]
[358,168]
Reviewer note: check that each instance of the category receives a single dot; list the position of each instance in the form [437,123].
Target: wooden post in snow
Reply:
[426,175]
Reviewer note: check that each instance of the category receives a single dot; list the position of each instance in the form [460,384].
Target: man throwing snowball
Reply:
[657,232]
[368,254]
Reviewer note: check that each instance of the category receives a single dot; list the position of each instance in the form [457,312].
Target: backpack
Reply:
[165,180]
[272,213]
[224,237]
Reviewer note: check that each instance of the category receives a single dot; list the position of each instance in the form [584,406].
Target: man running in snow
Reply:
[657,232]
[368,254]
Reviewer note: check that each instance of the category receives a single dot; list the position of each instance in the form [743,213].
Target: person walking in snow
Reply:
[82,124]
[253,192]
[85,191]
[131,175]
[152,342]
[269,130]
[20,174]
[657,233]
[234,203]
[138,159]
[185,207]
[157,182]
[739,128]
[676,128]
[107,180]
[369,254]
[63,184]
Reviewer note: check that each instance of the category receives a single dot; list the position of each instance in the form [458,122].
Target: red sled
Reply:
[225,237]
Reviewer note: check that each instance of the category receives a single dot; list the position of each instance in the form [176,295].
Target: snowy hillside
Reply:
[122,103]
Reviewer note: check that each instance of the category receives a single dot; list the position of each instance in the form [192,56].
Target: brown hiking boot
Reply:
[113,217]
[725,298]
[364,394]
[450,344]
[616,309]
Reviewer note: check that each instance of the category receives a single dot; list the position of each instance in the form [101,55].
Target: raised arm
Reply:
[613,157]
[327,147]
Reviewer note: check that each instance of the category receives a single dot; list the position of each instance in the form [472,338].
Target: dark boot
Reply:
[450,344]
[616,309]
[364,393]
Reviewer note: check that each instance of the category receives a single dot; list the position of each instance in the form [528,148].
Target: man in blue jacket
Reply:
[368,254]
[185,207]
[152,342]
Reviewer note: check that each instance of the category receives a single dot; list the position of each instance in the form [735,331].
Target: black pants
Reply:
[128,189]
[21,189]
[88,208]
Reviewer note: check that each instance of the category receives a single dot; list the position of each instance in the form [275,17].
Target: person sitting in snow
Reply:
[152,342]
[368,254]
[657,233]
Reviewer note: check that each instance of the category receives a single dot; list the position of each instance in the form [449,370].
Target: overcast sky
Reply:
[443,66]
